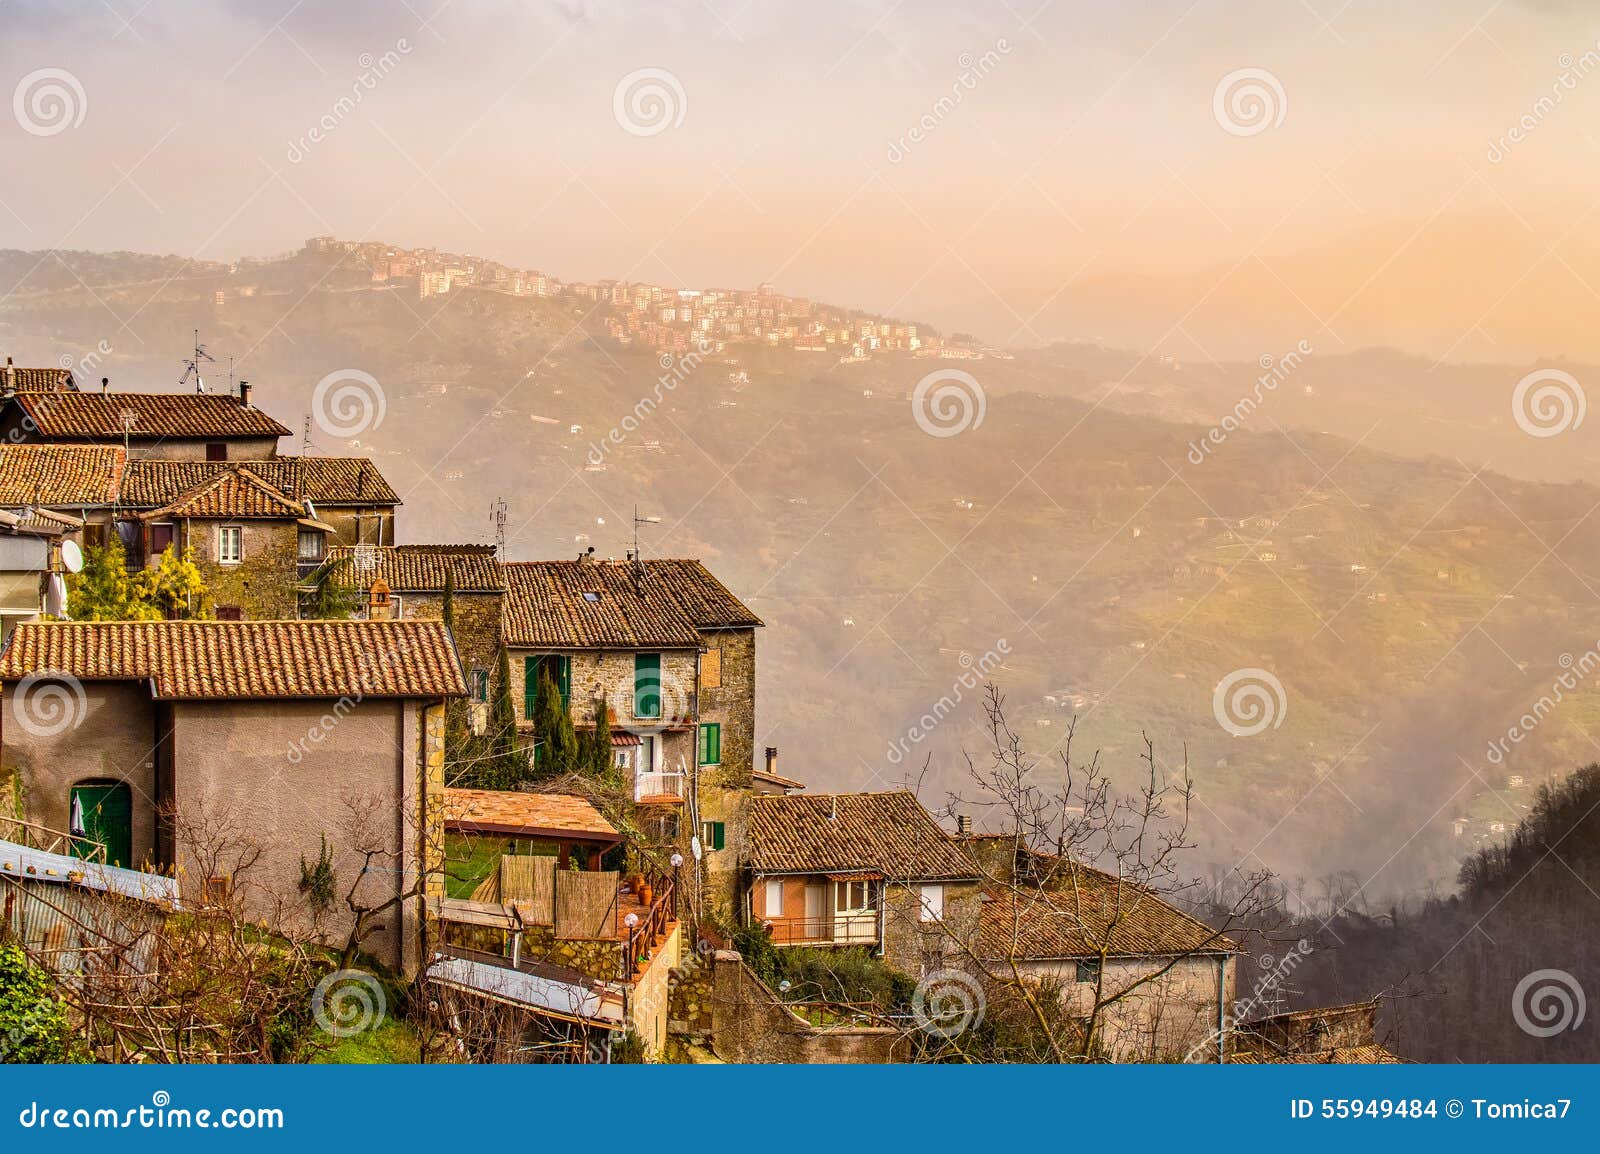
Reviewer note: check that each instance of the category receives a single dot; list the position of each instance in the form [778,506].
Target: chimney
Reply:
[772,759]
[244,393]
[963,825]
[105,385]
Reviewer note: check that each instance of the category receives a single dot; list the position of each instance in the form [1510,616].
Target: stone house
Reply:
[252,740]
[170,426]
[670,652]
[415,577]
[860,869]
[1165,979]
[250,539]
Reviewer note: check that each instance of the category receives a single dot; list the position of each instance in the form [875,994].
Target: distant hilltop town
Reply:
[661,318]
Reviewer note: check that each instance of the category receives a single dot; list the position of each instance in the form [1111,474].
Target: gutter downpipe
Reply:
[1222,1009]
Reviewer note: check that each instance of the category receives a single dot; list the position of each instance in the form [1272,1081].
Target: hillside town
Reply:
[254,741]
[655,316]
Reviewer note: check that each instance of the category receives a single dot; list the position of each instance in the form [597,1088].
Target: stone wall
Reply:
[476,629]
[599,959]
[916,947]
[750,1023]
[693,987]
[264,584]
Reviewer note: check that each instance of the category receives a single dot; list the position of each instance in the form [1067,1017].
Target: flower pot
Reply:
[646,894]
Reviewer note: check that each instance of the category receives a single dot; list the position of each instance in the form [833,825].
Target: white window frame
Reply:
[930,901]
[772,900]
[223,532]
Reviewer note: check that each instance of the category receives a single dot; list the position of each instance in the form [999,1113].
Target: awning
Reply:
[618,738]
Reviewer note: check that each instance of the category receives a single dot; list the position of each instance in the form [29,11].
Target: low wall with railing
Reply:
[750,1023]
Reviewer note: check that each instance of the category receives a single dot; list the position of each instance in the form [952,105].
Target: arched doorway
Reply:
[101,813]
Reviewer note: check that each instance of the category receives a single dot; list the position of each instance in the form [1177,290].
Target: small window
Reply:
[161,537]
[216,450]
[217,891]
[229,613]
[711,668]
[311,544]
[480,685]
[932,902]
[230,544]
[711,744]
[713,834]
[591,597]
[774,899]
[394,611]
[1088,972]
[852,896]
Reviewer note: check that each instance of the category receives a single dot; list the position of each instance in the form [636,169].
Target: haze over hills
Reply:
[1412,608]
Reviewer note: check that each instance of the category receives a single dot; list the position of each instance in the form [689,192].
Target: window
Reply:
[774,898]
[932,902]
[713,834]
[311,543]
[1088,972]
[647,685]
[852,897]
[161,536]
[216,450]
[560,670]
[229,613]
[216,891]
[480,685]
[230,544]
[394,606]
[711,669]
[591,597]
[711,744]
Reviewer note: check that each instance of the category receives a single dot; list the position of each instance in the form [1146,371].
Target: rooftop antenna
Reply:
[305,435]
[638,561]
[191,366]
[498,510]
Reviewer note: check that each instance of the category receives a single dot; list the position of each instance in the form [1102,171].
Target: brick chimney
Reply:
[244,394]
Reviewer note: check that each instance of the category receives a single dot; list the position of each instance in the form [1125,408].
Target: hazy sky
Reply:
[1088,143]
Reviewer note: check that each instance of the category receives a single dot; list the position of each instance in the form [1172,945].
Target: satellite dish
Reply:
[71,557]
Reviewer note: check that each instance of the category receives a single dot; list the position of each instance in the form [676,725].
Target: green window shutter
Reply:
[530,685]
[711,744]
[563,678]
[713,834]
[647,685]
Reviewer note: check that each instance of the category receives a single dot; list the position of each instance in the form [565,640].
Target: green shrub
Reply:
[33,1024]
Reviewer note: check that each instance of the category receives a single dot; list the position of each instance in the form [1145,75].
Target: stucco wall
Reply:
[115,739]
[650,1000]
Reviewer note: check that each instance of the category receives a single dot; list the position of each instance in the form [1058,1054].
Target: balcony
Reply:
[855,928]
[659,788]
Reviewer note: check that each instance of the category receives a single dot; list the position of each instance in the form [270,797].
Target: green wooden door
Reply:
[647,685]
[105,810]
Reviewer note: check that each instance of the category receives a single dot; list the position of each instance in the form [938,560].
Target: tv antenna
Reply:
[638,561]
[498,512]
[191,366]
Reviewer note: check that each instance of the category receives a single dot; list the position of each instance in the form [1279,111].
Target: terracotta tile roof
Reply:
[61,474]
[1081,909]
[887,833]
[600,605]
[16,378]
[199,660]
[235,492]
[324,480]
[76,416]
[420,568]
[525,814]
[39,522]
